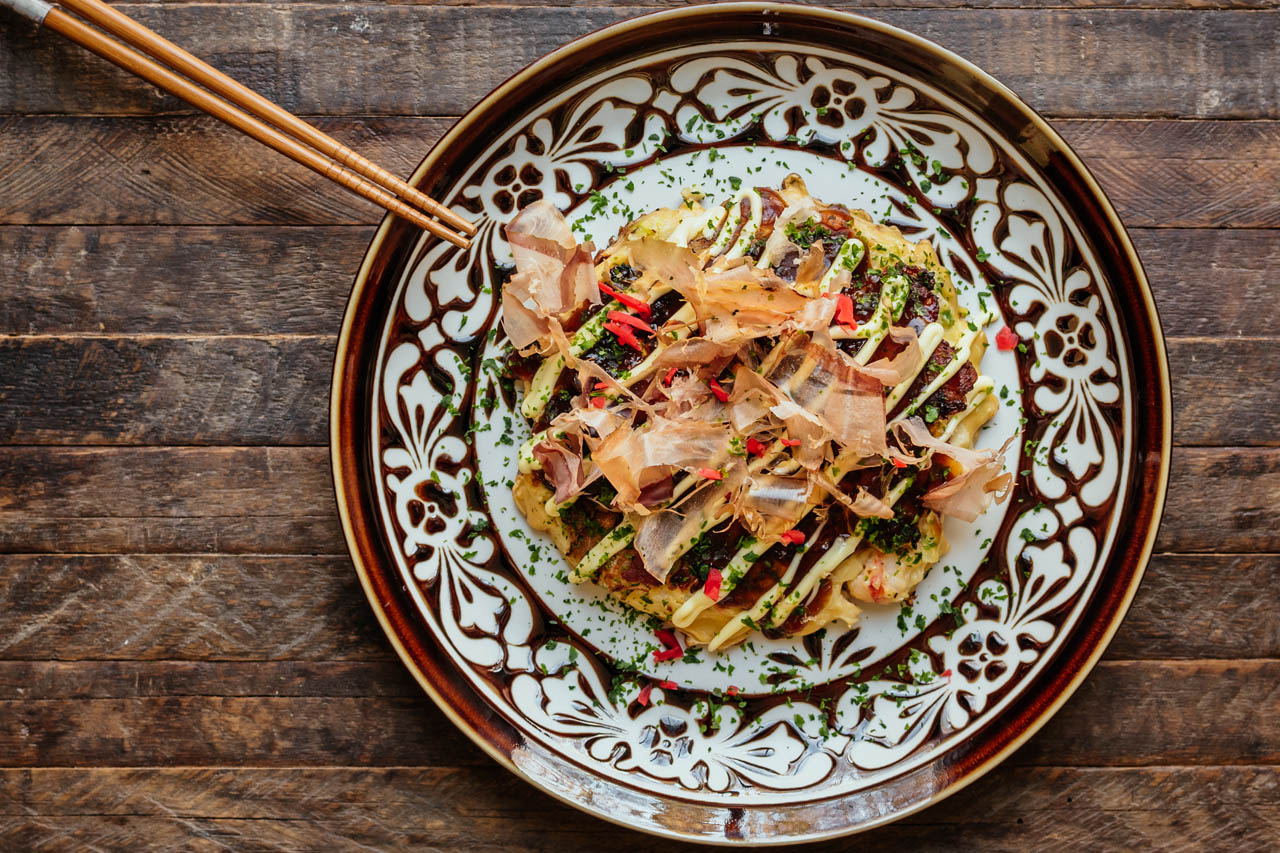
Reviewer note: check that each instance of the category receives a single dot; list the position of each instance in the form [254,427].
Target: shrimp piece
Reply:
[885,577]
[879,578]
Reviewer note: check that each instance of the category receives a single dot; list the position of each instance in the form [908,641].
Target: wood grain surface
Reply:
[186,658]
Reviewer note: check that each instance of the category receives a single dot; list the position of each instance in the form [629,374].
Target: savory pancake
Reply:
[747,416]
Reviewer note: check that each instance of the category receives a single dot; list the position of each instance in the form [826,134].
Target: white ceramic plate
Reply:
[844,729]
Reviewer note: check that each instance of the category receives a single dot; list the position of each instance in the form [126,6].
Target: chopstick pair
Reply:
[243,109]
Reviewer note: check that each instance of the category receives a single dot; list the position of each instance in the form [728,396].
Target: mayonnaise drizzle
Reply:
[767,610]
[695,605]
[929,340]
[587,336]
[963,351]
[848,257]
[711,515]
[719,225]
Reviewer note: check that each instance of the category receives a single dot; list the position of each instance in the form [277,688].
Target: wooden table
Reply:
[187,658]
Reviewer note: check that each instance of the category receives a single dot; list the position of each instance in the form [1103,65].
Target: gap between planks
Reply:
[382,662]
[648,8]
[373,223]
[333,337]
[256,555]
[1176,445]
[1181,118]
[644,8]
[379,768]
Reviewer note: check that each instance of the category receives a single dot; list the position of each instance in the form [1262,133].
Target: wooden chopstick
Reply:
[154,45]
[134,62]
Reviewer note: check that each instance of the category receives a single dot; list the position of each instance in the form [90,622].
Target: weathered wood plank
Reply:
[265,280]
[191,390]
[254,500]
[189,608]
[643,6]
[127,679]
[279,500]
[203,730]
[185,169]
[1126,714]
[1166,173]
[321,59]
[486,807]
[1212,283]
[137,625]
[174,170]
[1204,606]
[1175,712]
[182,280]
[1220,394]
[1219,500]
[274,390]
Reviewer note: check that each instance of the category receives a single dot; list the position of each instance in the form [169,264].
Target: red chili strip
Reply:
[710,474]
[712,588]
[844,312]
[629,301]
[625,335]
[732,691]
[599,402]
[793,537]
[721,394]
[755,446]
[668,685]
[643,698]
[1007,339]
[667,654]
[946,673]
[791,442]
[630,320]
[671,374]
[668,638]
[898,463]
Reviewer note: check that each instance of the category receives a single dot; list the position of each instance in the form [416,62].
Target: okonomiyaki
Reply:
[747,416]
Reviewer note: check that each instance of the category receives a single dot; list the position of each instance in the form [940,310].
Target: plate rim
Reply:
[343,453]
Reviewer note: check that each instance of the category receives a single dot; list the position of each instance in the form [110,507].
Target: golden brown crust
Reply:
[868,574]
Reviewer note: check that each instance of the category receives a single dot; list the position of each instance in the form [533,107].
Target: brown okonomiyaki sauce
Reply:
[436,502]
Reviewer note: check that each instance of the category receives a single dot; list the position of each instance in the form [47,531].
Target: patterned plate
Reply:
[842,730]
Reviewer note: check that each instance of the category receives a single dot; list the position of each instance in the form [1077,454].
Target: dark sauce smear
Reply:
[950,397]
[923,302]
[865,292]
[830,233]
[616,357]
[713,550]
[560,401]
[663,307]
[610,353]
[622,276]
[575,320]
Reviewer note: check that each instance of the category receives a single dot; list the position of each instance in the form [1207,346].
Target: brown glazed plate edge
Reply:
[434,671]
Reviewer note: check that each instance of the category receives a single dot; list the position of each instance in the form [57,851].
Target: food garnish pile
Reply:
[749,416]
